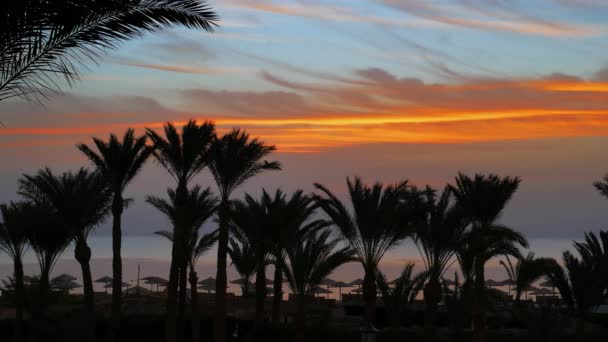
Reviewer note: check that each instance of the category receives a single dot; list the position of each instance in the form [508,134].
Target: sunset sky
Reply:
[384,89]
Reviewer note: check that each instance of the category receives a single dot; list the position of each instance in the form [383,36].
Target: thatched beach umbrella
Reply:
[356,282]
[64,278]
[339,285]
[66,286]
[207,281]
[548,283]
[319,290]
[240,282]
[104,280]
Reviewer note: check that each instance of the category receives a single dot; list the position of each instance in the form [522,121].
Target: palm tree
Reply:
[526,271]
[437,239]
[48,237]
[13,242]
[199,207]
[242,254]
[396,299]
[81,201]
[309,261]
[183,156]
[118,162]
[481,200]
[270,225]
[581,281]
[233,159]
[382,217]
[42,40]
[291,221]
[253,219]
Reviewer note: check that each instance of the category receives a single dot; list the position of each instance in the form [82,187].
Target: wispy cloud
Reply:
[184,69]
[497,17]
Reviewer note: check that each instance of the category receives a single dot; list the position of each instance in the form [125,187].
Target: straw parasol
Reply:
[207,281]
[104,280]
[319,290]
[66,286]
[357,282]
[154,280]
[207,287]
[64,278]
[357,290]
[339,285]
[530,289]
[542,292]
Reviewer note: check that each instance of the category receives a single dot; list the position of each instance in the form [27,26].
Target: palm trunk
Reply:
[117,208]
[260,287]
[369,296]
[181,301]
[195,324]
[20,298]
[39,311]
[432,297]
[82,253]
[579,329]
[219,331]
[300,318]
[278,295]
[479,322]
[176,264]
[170,324]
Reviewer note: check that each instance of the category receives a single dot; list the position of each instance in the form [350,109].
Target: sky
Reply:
[383,89]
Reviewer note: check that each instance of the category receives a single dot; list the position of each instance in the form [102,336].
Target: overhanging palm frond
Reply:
[42,40]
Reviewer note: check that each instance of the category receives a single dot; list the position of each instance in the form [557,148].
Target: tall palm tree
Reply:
[581,281]
[253,219]
[309,261]
[233,159]
[291,221]
[403,293]
[183,156]
[437,239]
[48,238]
[199,207]
[81,201]
[119,162]
[13,242]
[382,217]
[481,200]
[526,271]
[242,254]
[44,40]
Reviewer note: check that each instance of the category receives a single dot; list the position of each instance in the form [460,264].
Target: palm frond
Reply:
[43,41]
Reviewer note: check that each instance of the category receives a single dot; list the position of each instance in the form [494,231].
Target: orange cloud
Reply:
[378,108]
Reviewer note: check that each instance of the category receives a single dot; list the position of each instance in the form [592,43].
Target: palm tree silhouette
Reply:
[310,261]
[252,219]
[381,218]
[482,200]
[396,299]
[43,40]
[183,156]
[199,207]
[233,159]
[81,201]
[437,239]
[581,281]
[119,162]
[48,237]
[242,254]
[291,221]
[526,271]
[13,242]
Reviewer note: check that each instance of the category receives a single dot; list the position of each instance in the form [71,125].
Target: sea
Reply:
[150,256]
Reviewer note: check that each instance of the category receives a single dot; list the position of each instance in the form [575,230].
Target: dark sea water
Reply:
[152,254]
